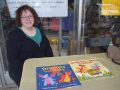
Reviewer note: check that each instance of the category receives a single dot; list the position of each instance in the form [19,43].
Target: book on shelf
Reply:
[56,76]
[89,69]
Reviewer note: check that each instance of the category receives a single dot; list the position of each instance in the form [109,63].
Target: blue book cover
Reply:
[54,77]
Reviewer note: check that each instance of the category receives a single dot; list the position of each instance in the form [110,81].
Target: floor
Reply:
[9,87]
[10,84]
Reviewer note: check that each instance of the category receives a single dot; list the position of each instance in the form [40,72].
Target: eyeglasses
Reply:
[27,17]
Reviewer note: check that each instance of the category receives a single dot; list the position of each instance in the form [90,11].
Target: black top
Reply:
[20,48]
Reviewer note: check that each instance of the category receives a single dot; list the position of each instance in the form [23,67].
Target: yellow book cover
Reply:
[87,69]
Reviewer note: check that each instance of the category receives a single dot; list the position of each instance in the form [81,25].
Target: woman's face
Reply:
[27,19]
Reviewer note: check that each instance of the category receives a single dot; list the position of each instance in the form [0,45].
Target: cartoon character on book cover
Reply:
[86,69]
[57,76]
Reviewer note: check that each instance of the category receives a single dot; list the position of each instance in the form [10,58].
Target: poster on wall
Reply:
[44,8]
[111,7]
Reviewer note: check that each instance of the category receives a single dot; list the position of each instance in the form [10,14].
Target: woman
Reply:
[27,41]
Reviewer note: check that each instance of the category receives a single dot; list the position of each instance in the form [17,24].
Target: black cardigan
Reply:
[20,48]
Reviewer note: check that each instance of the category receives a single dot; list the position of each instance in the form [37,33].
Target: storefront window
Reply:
[99,29]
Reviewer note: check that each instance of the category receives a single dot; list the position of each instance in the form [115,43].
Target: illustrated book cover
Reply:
[54,77]
[88,69]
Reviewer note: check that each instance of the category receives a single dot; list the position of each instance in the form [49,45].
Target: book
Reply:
[56,76]
[89,69]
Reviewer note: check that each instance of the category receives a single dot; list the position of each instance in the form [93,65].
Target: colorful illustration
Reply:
[48,80]
[57,76]
[87,69]
[65,77]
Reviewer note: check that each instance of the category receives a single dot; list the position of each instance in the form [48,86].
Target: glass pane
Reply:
[99,29]
[51,27]
[68,44]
